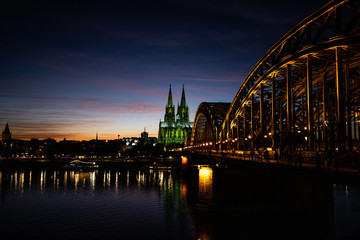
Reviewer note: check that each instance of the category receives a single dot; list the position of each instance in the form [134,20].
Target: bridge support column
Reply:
[227,139]
[305,144]
[244,126]
[252,126]
[289,107]
[339,98]
[262,132]
[318,131]
[238,132]
[281,128]
[245,132]
[231,131]
[273,137]
[325,115]
[309,104]
[348,108]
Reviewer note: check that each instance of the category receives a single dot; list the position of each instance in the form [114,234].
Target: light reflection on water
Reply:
[90,180]
[346,211]
[205,186]
[199,203]
[100,204]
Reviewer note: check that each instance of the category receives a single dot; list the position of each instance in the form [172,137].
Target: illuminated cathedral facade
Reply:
[174,129]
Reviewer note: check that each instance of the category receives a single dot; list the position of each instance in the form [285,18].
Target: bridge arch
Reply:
[304,93]
[208,120]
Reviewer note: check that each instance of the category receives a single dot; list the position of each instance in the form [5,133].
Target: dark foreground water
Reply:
[192,203]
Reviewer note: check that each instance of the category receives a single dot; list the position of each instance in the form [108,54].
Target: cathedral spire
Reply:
[170,101]
[183,110]
[183,100]
[170,109]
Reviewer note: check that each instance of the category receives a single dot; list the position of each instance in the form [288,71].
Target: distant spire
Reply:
[6,134]
[96,136]
[170,101]
[183,100]
[7,130]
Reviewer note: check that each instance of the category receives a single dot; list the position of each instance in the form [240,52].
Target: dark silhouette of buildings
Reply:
[69,149]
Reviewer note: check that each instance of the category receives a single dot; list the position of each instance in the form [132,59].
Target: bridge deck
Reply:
[325,165]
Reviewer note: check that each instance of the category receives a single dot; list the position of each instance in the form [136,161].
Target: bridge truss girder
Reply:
[208,120]
[297,108]
[304,93]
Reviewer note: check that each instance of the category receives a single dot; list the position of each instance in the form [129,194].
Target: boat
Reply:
[161,166]
[77,164]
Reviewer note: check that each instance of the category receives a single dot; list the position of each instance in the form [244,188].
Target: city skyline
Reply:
[69,70]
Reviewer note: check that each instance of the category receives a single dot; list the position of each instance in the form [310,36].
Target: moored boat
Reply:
[77,164]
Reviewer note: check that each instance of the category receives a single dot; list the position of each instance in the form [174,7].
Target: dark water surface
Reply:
[193,203]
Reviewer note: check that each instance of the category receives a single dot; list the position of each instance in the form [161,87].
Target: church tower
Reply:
[170,109]
[6,134]
[183,109]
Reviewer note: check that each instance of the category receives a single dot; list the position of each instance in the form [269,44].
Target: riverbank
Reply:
[102,162]
[174,161]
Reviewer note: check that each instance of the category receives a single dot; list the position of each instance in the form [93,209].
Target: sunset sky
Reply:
[69,70]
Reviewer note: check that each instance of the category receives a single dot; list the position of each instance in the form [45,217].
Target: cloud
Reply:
[55,105]
[42,116]
[103,106]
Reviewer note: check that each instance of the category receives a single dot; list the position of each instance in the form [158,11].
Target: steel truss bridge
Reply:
[303,95]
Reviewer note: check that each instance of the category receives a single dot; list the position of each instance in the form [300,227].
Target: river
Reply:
[189,202]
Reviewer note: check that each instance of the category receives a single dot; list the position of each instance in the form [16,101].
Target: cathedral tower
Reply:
[170,109]
[183,109]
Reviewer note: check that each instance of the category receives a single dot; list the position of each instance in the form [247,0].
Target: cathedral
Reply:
[174,129]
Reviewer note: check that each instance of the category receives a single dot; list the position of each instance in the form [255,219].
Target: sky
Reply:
[74,69]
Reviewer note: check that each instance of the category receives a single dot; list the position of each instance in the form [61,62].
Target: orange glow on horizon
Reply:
[75,137]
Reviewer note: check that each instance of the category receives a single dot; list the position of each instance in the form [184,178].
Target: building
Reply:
[6,134]
[144,135]
[146,140]
[174,129]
